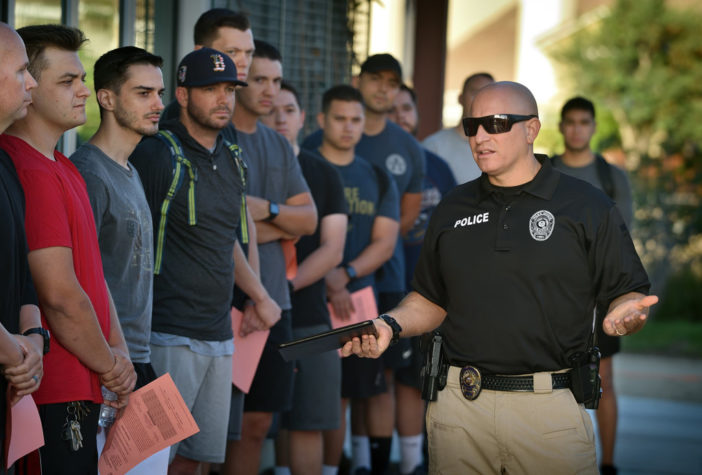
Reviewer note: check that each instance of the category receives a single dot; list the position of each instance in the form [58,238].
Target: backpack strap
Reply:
[604,173]
[235,152]
[179,164]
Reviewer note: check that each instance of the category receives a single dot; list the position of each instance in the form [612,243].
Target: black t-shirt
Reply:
[193,292]
[15,278]
[519,276]
[309,305]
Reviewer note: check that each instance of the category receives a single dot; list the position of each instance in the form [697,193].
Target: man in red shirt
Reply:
[64,258]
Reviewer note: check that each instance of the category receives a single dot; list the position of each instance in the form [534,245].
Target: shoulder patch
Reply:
[395,163]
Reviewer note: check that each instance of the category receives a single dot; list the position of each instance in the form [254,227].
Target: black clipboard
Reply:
[326,341]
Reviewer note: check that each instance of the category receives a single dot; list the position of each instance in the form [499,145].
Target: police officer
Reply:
[513,265]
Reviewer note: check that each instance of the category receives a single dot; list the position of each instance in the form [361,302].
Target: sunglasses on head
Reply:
[493,124]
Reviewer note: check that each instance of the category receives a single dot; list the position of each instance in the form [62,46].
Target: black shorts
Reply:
[236,410]
[271,389]
[57,458]
[398,355]
[362,378]
[145,374]
[409,375]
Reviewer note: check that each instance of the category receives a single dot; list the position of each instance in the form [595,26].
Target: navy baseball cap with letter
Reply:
[382,62]
[206,66]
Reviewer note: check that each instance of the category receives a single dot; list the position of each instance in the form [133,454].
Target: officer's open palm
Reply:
[368,346]
[629,316]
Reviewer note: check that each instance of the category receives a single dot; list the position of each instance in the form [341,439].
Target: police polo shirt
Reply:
[519,278]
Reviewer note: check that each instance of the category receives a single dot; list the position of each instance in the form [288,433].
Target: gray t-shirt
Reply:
[123,223]
[274,174]
[622,187]
[456,151]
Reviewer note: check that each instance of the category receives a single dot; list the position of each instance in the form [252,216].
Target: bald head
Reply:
[9,40]
[15,80]
[504,97]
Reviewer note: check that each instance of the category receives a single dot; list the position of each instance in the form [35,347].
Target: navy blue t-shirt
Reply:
[369,192]
[400,154]
[437,182]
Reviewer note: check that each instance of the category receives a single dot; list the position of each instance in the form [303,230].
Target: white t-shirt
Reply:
[451,147]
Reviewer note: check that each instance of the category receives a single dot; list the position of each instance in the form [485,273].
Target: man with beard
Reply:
[198,257]
[129,86]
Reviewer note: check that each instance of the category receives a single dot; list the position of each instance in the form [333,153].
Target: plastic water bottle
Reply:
[107,413]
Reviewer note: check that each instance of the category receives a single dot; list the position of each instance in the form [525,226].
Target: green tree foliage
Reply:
[643,62]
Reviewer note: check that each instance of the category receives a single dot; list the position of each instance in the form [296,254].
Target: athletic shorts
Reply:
[236,410]
[316,389]
[205,383]
[398,355]
[409,375]
[362,378]
[271,389]
[57,457]
[145,374]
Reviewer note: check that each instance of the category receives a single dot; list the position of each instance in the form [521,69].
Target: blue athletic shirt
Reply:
[437,182]
[369,192]
[400,154]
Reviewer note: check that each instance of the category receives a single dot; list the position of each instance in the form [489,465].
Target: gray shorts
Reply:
[316,389]
[205,383]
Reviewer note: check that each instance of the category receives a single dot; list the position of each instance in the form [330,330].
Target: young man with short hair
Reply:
[64,258]
[287,116]
[385,144]
[21,340]
[372,199]
[198,255]
[578,127]
[282,207]
[451,143]
[437,182]
[128,87]
[316,405]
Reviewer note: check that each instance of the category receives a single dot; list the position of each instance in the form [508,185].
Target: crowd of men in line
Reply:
[133,252]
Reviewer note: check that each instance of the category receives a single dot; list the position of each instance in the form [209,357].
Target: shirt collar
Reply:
[177,126]
[543,185]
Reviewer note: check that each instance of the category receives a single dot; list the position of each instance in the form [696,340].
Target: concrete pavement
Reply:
[660,415]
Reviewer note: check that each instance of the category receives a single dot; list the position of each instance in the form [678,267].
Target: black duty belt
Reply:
[472,382]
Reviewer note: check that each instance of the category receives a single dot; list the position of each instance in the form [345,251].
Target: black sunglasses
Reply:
[494,124]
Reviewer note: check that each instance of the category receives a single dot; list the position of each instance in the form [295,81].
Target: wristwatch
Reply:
[44,333]
[396,328]
[350,271]
[273,211]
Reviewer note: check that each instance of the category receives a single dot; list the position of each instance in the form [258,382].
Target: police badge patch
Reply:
[541,225]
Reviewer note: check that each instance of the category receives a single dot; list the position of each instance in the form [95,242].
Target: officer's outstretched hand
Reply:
[628,314]
[368,346]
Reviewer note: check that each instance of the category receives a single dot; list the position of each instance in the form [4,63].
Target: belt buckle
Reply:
[471,382]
